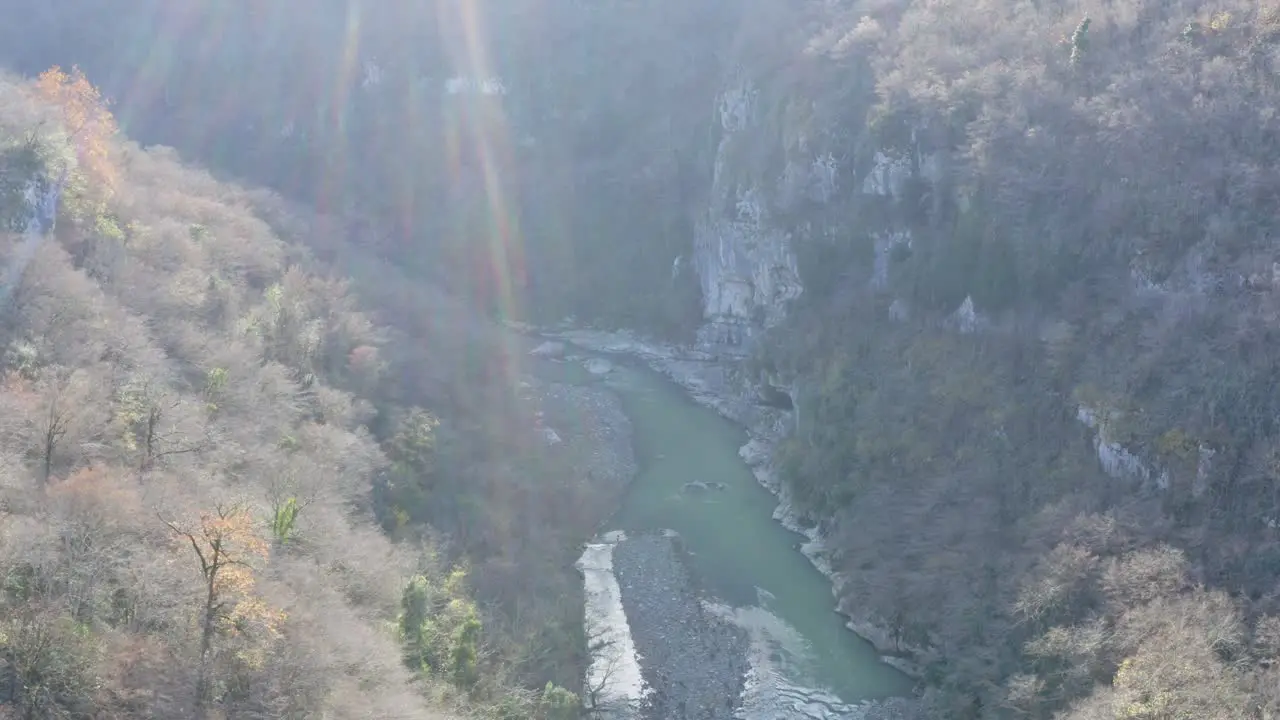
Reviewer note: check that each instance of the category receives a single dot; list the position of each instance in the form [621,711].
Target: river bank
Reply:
[694,662]
[589,423]
[719,385]
[656,652]
[798,661]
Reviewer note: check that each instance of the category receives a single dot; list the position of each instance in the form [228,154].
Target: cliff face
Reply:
[31,204]
[789,177]
[819,187]
[746,266]
[828,235]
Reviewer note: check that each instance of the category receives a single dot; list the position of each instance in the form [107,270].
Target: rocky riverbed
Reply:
[588,421]
[693,662]
[684,658]
[718,383]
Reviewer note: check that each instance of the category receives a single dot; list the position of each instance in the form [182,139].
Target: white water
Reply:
[777,652]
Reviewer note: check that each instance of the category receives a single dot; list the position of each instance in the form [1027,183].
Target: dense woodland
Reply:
[181,371]
[216,483]
[1108,203]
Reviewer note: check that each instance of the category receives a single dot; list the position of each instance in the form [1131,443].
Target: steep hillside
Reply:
[192,495]
[186,523]
[1035,404]
[1013,263]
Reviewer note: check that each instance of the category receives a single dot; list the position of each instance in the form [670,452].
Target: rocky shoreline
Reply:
[718,385]
[694,663]
[589,422]
[691,663]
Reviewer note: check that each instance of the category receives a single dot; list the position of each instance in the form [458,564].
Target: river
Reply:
[748,562]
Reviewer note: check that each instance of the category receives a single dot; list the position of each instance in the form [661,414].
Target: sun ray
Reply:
[148,83]
[492,139]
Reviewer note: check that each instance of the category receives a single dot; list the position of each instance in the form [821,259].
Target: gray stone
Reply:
[694,663]
[598,366]
[548,349]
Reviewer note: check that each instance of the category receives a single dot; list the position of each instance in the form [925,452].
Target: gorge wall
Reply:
[1013,267]
[1027,375]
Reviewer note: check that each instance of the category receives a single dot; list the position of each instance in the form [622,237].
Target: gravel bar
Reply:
[694,663]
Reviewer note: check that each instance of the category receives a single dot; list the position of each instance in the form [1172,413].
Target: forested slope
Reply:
[1066,489]
[1065,495]
[190,504]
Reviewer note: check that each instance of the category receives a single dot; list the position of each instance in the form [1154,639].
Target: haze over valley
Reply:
[657,359]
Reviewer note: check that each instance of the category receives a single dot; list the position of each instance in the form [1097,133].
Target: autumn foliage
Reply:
[86,118]
[146,431]
[227,545]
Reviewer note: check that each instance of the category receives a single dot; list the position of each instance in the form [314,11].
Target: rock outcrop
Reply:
[694,662]
[745,263]
[39,202]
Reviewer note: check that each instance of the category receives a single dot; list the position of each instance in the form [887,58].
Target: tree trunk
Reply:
[50,442]
[153,420]
[206,643]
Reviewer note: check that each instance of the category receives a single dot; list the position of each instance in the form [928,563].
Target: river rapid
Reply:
[695,493]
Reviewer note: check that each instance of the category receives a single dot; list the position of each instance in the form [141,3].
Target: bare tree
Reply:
[158,422]
[91,513]
[601,696]
[227,546]
[62,411]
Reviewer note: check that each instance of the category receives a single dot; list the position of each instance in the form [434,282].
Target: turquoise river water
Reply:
[742,556]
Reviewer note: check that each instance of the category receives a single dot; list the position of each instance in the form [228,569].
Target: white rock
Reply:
[548,349]
[755,452]
[889,175]
[598,366]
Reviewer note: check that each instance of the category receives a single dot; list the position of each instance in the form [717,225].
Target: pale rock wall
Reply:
[744,250]
[41,198]
[1116,460]
[746,265]
[888,176]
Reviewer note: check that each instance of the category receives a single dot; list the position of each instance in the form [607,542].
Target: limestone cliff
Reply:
[744,259]
[789,176]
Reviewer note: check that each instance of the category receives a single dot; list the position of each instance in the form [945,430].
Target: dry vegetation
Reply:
[1106,196]
[1107,200]
[188,518]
